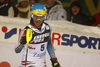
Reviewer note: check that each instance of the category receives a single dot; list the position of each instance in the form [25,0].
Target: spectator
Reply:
[55,10]
[31,2]
[97,17]
[6,8]
[76,15]
[24,8]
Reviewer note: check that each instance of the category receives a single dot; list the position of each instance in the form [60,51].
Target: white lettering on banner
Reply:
[40,38]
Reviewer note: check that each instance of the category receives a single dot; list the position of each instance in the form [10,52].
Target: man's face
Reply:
[75,10]
[37,23]
[38,20]
[50,2]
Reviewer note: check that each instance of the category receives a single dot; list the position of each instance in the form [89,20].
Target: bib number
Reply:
[42,47]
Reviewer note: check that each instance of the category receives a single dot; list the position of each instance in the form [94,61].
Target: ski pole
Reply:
[28,39]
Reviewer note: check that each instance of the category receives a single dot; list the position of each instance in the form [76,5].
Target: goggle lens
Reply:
[38,17]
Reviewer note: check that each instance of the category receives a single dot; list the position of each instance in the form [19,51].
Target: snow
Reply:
[66,58]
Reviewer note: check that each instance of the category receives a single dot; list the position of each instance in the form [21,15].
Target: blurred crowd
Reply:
[55,11]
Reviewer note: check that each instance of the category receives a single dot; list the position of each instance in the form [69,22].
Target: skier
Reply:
[41,40]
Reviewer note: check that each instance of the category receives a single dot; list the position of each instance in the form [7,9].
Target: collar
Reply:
[36,29]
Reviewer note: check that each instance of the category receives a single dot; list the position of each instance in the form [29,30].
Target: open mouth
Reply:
[75,11]
[38,23]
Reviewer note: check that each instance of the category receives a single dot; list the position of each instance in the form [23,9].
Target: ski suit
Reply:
[41,41]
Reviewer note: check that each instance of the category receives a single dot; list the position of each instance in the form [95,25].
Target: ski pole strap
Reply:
[55,62]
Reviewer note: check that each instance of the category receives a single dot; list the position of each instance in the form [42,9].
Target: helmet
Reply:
[38,11]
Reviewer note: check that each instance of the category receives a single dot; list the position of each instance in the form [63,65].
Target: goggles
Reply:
[38,17]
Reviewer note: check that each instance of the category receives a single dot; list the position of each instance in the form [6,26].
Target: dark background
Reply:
[66,4]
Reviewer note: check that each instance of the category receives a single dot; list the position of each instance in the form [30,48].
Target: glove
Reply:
[23,38]
[55,62]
